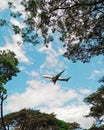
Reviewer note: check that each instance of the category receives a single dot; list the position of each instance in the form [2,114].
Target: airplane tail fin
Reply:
[68,79]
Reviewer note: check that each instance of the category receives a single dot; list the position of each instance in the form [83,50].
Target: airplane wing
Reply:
[49,77]
[53,79]
[64,79]
[58,75]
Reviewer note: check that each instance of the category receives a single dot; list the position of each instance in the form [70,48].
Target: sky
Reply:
[29,89]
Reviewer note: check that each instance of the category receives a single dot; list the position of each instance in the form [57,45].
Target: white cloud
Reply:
[17,4]
[39,93]
[4,4]
[16,22]
[52,58]
[101,61]
[75,113]
[21,68]
[96,73]
[85,91]
[50,98]
[13,46]
[33,74]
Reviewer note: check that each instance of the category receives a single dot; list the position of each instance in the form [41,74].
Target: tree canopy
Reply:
[97,128]
[8,69]
[28,119]
[8,66]
[96,100]
[80,23]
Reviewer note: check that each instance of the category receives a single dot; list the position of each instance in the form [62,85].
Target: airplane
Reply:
[55,78]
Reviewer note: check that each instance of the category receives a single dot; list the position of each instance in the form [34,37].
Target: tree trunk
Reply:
[2,118]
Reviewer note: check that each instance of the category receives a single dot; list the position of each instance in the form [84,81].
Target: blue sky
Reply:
[30,90]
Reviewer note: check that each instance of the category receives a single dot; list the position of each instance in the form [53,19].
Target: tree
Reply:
[8,69]
[74,126]
[96,100]
[97,128]
[28,119]
[8,66]
[101,79]
[3,96]
[80,23]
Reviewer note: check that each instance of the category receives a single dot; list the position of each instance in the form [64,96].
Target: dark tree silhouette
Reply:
[8,69]
[96,99]
[28,119]
[80,23]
